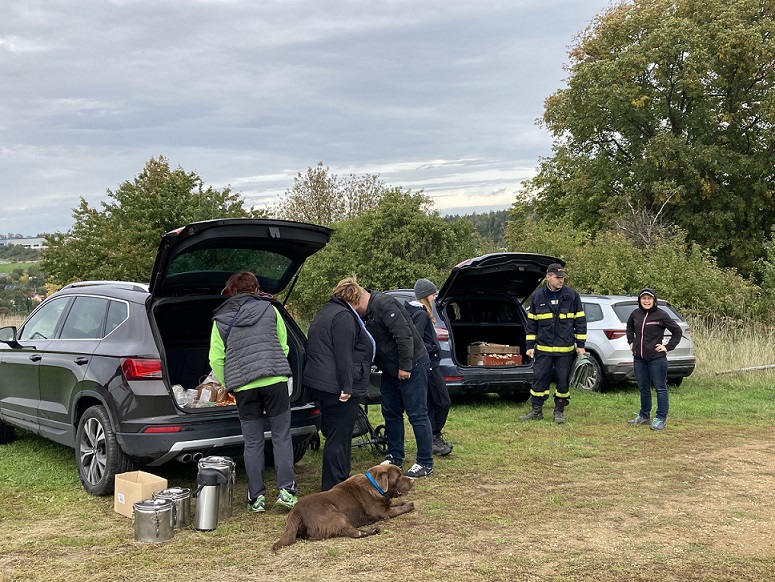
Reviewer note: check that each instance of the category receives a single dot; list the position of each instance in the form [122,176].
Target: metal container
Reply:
[207,497]
[181,498]
[152,520]
[227,467]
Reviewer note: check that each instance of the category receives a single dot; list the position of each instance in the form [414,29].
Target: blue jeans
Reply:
[648,373]
[410,396]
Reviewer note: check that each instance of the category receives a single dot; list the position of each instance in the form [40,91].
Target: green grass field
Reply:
[594,499]
[9,267]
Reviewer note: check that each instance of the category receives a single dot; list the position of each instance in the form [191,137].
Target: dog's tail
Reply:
[288,536]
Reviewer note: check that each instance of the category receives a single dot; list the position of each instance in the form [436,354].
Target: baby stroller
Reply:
[364,435]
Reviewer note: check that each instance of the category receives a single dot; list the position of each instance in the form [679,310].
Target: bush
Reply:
[609,264]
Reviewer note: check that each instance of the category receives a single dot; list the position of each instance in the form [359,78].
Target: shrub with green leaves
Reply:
[608,263]
[390,247]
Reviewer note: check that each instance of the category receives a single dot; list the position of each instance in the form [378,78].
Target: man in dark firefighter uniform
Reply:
[556,330]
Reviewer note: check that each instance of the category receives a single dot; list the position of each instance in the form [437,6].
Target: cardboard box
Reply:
[133,487]
[494,360]
[485,348]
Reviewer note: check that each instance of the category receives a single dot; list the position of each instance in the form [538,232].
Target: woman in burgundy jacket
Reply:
[645,332]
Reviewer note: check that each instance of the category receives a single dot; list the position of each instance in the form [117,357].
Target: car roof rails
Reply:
[130,286]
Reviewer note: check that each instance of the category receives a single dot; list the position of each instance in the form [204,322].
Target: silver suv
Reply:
[607,341]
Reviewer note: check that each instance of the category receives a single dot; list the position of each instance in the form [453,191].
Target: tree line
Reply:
[662,173]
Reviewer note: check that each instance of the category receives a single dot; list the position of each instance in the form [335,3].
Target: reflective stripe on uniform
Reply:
[556,349]
[539,394]
[532,315]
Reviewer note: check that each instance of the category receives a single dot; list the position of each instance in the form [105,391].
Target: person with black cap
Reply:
[556,330]
[439,402]
[645,332]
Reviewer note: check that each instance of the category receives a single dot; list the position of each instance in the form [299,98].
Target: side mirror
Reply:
[8,335]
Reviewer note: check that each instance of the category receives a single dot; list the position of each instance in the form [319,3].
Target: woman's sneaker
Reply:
[391,460]
[640,420]
[419,471]
[257,506]
[286,499]
[658,424]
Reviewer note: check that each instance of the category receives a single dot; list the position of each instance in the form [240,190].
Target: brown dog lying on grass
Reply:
[358,501]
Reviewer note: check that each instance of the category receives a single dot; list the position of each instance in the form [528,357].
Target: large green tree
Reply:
[119,241]
[669,112]
[321,197]
[389,247]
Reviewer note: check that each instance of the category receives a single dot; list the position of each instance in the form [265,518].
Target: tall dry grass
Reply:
[724,346]
[10,320]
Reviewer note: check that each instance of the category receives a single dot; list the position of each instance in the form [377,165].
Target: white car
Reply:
[607,341]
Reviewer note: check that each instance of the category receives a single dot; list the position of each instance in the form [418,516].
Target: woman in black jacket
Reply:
[339,355]
[439,401]
[645,332]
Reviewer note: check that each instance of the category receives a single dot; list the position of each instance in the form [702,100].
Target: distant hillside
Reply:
[489,225]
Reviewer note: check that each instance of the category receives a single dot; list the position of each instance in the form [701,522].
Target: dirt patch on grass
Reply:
[688,504]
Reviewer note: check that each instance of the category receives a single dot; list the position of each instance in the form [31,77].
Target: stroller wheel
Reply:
[379,440]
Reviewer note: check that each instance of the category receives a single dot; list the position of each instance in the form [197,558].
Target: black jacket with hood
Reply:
[399,344]
[422,321]
[646,329]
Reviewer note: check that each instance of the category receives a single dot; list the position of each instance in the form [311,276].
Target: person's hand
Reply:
[404,375]
[660,348]
[632,347]
[344,397]
[581,351]
[530,353]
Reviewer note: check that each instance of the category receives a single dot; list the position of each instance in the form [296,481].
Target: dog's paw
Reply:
[409,505]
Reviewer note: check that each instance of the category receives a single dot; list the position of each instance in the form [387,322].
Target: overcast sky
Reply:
[440,95]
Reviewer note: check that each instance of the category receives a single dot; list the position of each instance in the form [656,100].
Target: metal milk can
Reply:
[181,498]
[152,520]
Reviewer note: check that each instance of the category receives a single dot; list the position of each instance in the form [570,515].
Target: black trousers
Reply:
[439,401]
[336,423]
[547,367]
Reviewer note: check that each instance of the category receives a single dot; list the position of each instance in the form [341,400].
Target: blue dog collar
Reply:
[373,482]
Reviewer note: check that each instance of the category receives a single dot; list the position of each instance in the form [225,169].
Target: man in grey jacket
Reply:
[405,365]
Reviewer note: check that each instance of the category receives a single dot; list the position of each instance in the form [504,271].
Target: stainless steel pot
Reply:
[152,520]
[181,499]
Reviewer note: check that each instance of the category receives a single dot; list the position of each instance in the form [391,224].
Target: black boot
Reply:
[559,410]
[535,414]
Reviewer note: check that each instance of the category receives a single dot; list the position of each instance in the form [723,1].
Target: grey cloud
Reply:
[250,93]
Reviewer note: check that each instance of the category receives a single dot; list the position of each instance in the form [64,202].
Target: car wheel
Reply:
[596,380]
[6,433]
[674,382]
[299,449]
[98,456]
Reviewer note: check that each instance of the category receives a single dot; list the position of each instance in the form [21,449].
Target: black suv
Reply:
[93,367]
[483,300]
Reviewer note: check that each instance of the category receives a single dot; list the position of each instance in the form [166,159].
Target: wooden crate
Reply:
[494,360]
[486,348]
